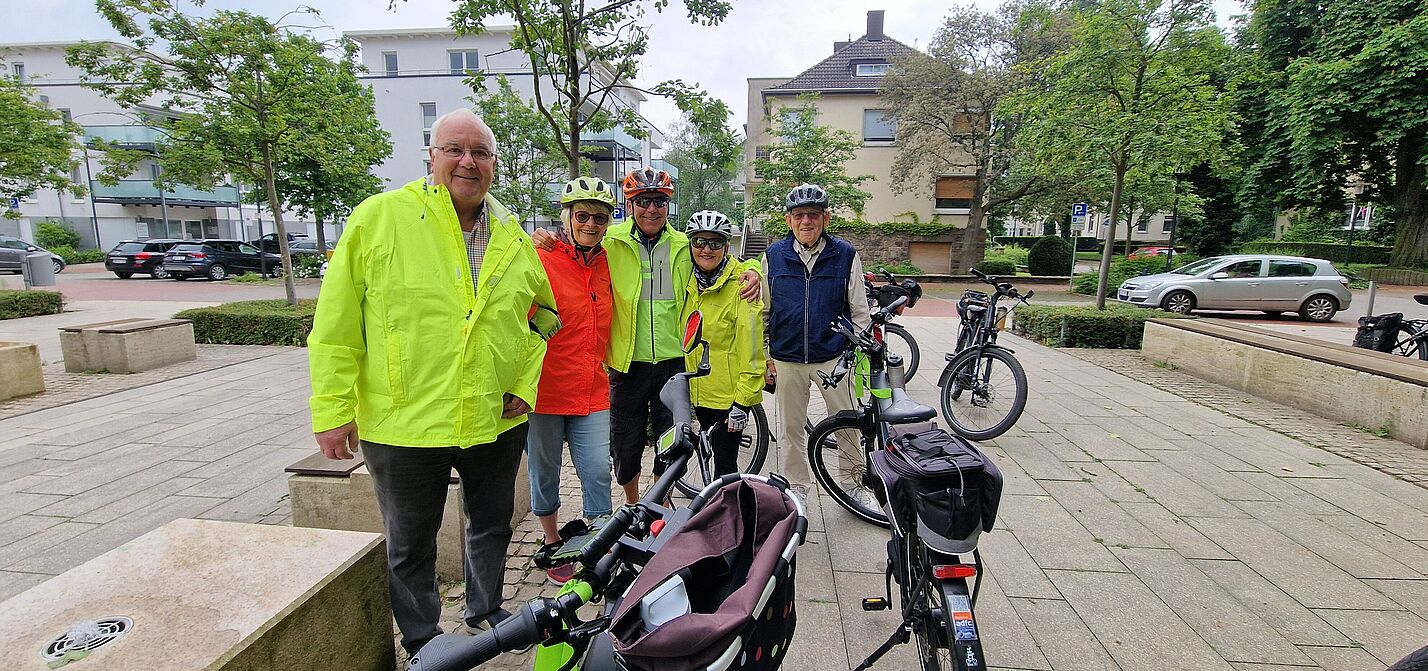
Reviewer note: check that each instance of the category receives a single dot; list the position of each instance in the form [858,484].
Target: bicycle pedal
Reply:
[876,603]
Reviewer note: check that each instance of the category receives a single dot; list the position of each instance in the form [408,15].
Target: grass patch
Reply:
[1116,327]
[16,304]
[270,322]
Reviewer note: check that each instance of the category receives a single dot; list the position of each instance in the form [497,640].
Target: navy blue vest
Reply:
[804,303]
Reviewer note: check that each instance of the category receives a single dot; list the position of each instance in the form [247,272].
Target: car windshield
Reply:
[187,247]
[130,247]
[1198,267]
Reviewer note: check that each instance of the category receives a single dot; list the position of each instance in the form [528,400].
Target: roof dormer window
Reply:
[870,69]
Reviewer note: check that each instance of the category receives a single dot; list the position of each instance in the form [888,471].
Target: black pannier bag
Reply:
[940,484]
[886,294]
[1378,332]
[970,298]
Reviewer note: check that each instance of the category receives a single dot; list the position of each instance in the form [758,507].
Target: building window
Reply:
[761,152]
[427,165]
[65,114]
[870,69]
[877,128]
[1142,224]
[18,70]
[461,61]
[1168,225]
[389,63]
[78,178]
[953,195]
[428,117]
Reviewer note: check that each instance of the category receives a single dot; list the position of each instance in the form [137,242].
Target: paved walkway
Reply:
[1143,526]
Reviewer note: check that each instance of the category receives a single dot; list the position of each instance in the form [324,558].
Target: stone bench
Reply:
[127,345]
[20,372]
[339,494]
[1338,382]
[220,596]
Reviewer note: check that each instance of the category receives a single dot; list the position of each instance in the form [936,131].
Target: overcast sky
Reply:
[761,38]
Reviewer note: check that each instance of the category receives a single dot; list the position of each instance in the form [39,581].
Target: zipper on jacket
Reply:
[807,286]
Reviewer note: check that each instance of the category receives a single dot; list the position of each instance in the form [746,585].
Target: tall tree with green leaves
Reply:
[806,151]
[248,92]
[943,103]
[588,57]
[529,158]
[1133,91]
[707,163]
[1335,92]
[36,144]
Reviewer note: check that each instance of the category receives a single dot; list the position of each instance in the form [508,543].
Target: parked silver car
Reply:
[1269,283]
[14,250]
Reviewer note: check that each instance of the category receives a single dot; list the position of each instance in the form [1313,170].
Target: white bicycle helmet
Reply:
[709,221]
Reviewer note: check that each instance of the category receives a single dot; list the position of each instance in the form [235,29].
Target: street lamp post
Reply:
[1174,222]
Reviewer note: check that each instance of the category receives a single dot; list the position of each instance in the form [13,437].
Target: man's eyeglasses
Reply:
[714,244]
[479,154]
[651,202]
[585,217]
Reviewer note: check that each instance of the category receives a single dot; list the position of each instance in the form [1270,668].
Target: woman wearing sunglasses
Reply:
[734,329]
[573,399]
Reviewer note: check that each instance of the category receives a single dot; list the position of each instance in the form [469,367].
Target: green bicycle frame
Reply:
[553,657]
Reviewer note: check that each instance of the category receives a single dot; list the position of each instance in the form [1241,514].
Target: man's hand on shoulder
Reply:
[749,289]
[338,443]
[543,239]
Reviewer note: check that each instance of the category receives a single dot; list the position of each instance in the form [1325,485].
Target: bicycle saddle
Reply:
[900,409]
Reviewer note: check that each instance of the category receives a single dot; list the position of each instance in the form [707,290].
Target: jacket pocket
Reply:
[396,377]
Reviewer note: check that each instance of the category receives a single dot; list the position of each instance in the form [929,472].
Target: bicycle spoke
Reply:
[988,394]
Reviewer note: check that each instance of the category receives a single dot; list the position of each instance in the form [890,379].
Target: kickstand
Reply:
[898,638]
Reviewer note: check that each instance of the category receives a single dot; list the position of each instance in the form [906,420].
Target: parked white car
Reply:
[1268,283]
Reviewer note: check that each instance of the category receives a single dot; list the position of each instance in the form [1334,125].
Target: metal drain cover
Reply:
[87,637]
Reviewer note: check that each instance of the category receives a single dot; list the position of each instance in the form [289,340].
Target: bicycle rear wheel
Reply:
[900,342]
[983,392]
[1406,343]
[837,453]
[753,448]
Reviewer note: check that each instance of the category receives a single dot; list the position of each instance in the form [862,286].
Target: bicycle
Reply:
[753,449]
[611,552]
[1390,333]
[983,388]
[840,446]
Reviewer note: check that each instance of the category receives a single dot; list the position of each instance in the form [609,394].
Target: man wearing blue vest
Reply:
[812,278]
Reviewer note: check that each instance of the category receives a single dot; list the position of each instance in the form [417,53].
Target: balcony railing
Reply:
[128,137]
[143,192]
[660,164]
[615,135]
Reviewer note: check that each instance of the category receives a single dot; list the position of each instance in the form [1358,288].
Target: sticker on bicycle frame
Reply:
[666,440]
[965,629]
[959,603]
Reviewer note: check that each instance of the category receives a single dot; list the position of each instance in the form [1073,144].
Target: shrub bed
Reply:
[1122,270]
[997,267]
[271,322]
[72,257]
[1116,327]
[1328,251]
[1049,256]
[16,304]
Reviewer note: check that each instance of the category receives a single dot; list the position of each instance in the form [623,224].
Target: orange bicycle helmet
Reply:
[645,180]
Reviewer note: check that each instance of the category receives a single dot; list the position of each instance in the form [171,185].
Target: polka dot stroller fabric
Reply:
[735,556]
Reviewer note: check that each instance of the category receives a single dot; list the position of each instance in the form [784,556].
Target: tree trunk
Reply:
[1130,228]
[1107,252]
[1410,243]
[276,206]
[974,250]
[321,237]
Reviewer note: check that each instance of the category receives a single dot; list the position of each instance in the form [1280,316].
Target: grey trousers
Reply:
[411,487]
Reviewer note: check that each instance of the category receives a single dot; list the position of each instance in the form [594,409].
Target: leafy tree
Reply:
[942,103]
[1211,230]
[1335,92]
[36,144]
[51,234]
[528,162]
[588,57]
[707,164]
[806,151]
[249,92]
[1134,91]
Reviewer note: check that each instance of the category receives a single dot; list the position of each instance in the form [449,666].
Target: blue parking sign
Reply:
[619,213]
[1079,209]
[14,203]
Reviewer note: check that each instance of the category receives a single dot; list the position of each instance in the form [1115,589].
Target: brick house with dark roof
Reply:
[847,83]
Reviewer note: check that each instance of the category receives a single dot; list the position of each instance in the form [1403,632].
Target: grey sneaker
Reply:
[476,625]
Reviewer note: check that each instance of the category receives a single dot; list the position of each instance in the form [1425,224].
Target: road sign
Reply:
[619,213]
[1078,216]
[14,203]
[1078,226]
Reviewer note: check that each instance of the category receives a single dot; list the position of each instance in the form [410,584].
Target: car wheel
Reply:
[1319,309]
[159,273]
[59,265]
[1179,302]
[124,276]
[217,272]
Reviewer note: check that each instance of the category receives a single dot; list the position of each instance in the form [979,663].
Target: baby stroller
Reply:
[719,593]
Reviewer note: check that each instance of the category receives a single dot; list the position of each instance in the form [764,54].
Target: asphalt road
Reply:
[91,282]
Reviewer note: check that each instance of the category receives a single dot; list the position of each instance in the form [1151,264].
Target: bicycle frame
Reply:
[983,331]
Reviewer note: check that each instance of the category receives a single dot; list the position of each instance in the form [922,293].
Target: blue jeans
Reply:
[589,438]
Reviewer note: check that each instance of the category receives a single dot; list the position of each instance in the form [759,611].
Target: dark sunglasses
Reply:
[715,244]
[651,202]
[585,217]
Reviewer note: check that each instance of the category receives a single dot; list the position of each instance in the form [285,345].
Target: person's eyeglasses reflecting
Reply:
[586,217]
[651,202]
[453,152]
[714,244]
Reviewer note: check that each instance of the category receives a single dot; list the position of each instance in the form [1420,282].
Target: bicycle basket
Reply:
[1377,332]
[942,485]
[734,562]
[971,298]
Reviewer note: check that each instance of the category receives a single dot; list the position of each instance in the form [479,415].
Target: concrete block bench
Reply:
[1338,382]
[219,596]
[127,345]
[330,494]
[20,372]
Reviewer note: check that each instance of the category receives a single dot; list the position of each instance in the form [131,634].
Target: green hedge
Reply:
[1321,250]
[998,267]
[72,257]
[1122,270]
[1049,256]
[271,322]
[16,304]
[1116,327]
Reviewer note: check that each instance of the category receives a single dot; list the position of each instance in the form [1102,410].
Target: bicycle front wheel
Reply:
[1407,343]
[901,343]
[983,392]
[753,448]
[838,454]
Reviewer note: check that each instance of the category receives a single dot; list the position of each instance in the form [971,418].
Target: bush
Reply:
[997,267]
[51,234]
[72,257]
[1116,327]
[16,304]
[1014,253]
[1122,270]
[272,322]
[307,265]
[899,268]
[1050,256]
[1319,250]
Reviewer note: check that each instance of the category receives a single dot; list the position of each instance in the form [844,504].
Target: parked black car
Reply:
[218,259]
[269,242]
[139,256]
[308,246]
[14,250]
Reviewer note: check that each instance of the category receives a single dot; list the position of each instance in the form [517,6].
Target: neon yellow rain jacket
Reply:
[403,344]
[734,328]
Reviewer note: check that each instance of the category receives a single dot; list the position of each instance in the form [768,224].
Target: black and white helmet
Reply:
[806,194]
[709,221]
